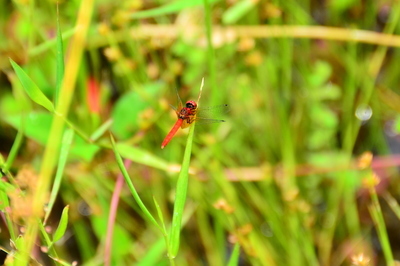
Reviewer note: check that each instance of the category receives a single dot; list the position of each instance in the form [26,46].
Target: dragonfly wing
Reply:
[213,110]
[173,107]
[203,121]
[180,105]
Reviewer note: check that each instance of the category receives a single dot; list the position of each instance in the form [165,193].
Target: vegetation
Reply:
[303,171]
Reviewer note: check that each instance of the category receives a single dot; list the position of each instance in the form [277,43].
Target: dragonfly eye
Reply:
[191,105]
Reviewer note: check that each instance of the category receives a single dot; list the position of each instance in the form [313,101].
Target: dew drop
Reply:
[364,112]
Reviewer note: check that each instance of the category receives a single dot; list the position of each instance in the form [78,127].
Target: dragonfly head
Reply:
[192,105]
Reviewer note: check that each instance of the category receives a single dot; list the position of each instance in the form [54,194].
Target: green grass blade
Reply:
[131,186]
[62,226]
[153,255]
[101,130]
[393,204]
[170,8]
[181,190]
[66,144]
[377,217]
[60,61]
[237,11]
[45,234]
[160,216]
[5,188]
[15,147]
[43,47]
[141,156]
[31,88]
[49,243]
[234,260]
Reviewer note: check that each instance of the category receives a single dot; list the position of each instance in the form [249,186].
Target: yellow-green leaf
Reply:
[62,226]
[31,88]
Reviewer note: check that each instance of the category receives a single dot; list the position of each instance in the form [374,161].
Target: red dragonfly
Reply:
[189,114]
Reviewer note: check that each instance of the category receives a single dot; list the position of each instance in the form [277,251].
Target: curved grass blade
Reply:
[131,186]
[141,156]
[31,88]
[181,191]
[62,226]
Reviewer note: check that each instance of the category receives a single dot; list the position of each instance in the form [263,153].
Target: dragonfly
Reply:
[190,113]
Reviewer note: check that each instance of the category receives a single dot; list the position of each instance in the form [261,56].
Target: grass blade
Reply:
[77,47]
[393,204]
[160,216]
[131,186]
[62,226]
[181,191]
[66,144]
[60,61]
[141,156]
[377,216]
[101,130]
[45,236]
[15,147]
[5,189]
[43,47]
[31,88]
[237,11]
[169,8]
[153,255]
[234,260]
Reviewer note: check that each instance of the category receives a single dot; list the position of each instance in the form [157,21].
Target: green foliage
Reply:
[286,180]
[37,126]
[342,5]
[128,108]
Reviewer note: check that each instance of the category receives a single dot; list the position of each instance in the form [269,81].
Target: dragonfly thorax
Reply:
[186,113]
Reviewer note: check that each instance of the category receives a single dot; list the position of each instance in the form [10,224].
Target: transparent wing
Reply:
[203,121]
[212,111]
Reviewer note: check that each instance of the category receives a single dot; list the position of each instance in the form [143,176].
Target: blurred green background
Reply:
[303,171]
